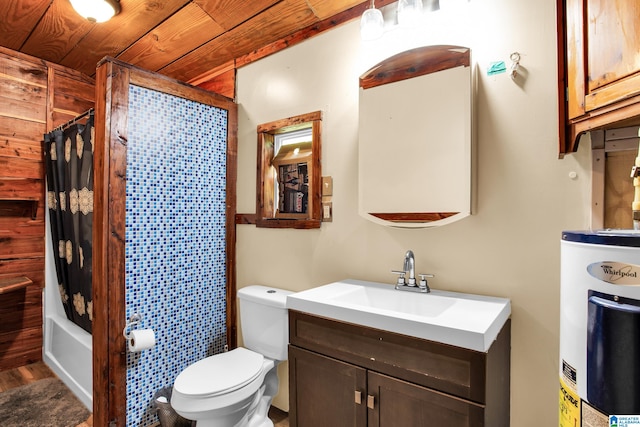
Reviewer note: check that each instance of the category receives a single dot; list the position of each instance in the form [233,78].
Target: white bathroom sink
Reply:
[463,320]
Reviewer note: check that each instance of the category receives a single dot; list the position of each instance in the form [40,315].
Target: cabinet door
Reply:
[612,41]
[324,391]
[602,61]
[399,403]
[613,63]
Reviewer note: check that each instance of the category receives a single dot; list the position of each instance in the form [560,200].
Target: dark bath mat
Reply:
[43,403]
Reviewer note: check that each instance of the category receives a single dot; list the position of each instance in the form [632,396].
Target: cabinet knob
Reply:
[358,397]
[370,401]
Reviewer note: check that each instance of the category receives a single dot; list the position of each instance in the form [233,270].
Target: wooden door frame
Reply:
[113,79]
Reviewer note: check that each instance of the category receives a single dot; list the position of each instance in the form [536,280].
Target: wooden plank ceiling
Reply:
[183,39]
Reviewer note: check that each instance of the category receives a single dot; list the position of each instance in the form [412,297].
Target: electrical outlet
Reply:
[327,211]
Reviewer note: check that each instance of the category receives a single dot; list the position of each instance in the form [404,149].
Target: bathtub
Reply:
[67,351]
[67,348]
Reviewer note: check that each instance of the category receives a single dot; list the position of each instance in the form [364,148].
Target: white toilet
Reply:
[235,389]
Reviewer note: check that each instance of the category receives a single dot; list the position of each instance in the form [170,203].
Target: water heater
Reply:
[600,329]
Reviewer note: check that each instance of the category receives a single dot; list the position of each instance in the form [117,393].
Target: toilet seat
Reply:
[220,374]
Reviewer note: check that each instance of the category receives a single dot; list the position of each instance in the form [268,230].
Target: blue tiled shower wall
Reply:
[175,239]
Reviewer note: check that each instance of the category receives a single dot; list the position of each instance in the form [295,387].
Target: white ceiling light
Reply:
[96,10]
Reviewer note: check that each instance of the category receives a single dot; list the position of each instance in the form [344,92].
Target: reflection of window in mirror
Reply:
[291,167]
[288,191]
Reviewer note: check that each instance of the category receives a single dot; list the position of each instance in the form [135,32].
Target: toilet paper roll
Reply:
[141,339]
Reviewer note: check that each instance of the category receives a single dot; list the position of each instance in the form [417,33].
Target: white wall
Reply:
[508,248]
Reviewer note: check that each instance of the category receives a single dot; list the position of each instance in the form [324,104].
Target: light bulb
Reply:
[371,24]
[409,12]
[453,5]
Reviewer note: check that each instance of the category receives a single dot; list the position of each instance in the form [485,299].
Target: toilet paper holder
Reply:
[134,320]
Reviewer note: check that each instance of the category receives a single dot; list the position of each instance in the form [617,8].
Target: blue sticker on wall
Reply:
[496,68]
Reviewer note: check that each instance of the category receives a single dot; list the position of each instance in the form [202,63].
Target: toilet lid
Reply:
[220,374]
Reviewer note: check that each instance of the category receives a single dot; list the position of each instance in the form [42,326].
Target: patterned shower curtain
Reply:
[69,169]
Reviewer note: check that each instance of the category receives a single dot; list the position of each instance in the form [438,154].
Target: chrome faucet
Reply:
[410,267]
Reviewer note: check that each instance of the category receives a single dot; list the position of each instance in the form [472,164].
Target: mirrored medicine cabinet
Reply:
[415,138]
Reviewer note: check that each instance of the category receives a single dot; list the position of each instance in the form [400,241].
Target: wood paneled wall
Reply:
[618,189]
[35,96]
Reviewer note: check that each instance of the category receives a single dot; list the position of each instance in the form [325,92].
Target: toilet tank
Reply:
[264,320]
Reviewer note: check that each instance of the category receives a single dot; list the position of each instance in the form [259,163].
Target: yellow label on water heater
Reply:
[569,406]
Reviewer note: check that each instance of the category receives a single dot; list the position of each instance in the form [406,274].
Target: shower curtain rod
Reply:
[75,119]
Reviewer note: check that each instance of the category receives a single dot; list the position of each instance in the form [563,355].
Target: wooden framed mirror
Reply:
[288,193]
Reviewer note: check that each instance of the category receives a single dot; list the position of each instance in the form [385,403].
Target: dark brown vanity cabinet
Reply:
[341,374]
[324,391]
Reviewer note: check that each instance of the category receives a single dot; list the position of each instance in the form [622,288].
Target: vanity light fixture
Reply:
[371,23]
[409,13]
[96,10]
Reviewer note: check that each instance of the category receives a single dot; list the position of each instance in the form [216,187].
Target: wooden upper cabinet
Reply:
[599,66]
[612,44]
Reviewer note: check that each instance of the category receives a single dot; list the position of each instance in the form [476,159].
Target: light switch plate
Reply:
[327,186]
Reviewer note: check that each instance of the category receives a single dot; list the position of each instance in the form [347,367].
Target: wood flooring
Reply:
[37,371]
[279,418]
[24,375]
